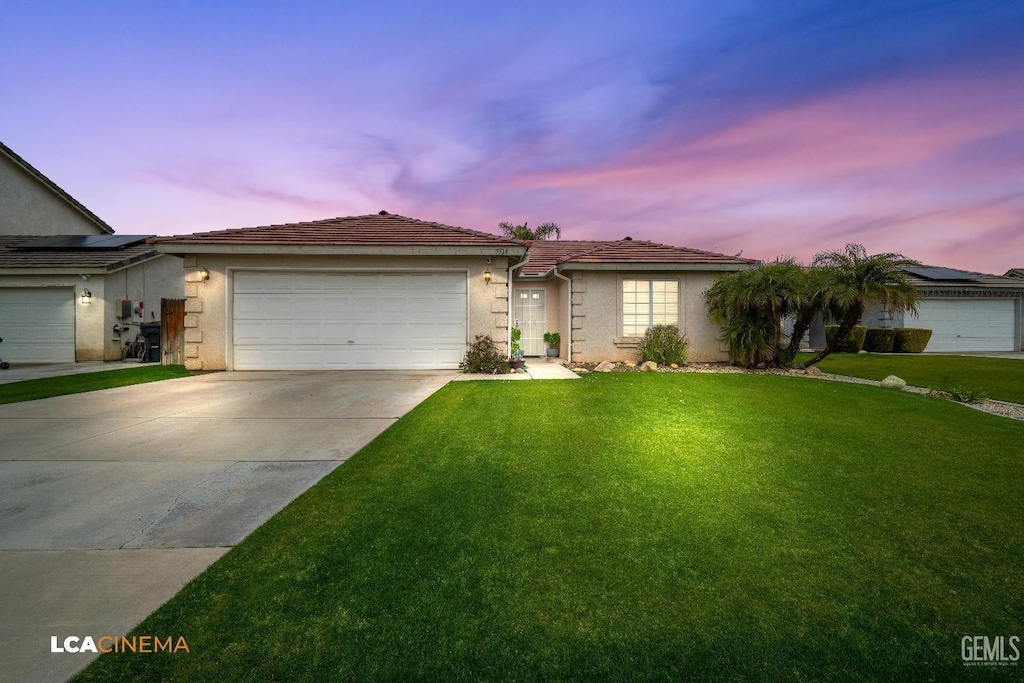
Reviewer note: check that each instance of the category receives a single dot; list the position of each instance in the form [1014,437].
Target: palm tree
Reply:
[522,232]
[751,306]
[852,278]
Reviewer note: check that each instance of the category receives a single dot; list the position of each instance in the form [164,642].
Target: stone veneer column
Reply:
[579,312]
[193,311]
[499,307]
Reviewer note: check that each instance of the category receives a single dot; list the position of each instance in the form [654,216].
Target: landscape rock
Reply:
[894,382]
[649,366]
[813,371]
[581,371]
[674,366]
[630,364]
[604,366]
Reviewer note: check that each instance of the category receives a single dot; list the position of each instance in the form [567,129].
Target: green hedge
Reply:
[911,340]
[854,341]
[879,340]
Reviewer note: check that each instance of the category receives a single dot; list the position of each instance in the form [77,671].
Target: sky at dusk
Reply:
[768,127]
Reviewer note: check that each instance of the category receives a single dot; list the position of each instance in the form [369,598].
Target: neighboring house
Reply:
[63,273]
[1015,272]
[966,311]
[386,291]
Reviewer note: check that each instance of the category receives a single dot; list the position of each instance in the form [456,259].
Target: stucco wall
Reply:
[94,322]
[207,304]
[31,208]
[148,282]
[597,316]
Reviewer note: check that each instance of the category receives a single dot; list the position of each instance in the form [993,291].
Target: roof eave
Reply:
[55,188]
[722,267]
[181,248]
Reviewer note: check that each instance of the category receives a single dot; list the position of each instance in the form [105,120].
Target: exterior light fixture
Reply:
[204,274]
[487,276]
[86,296]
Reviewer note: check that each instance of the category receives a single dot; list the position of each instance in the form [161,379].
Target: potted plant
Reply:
[553,340]
[517,351]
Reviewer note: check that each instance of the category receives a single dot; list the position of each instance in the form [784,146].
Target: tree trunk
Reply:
[800,325]
[850,321]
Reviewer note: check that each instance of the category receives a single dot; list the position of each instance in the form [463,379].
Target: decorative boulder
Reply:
[893,382]
[674,366]
[604,366]
[649,366]
[813,371]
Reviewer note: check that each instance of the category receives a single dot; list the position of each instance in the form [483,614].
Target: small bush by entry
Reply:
[911,340]
[664,345]
[483,356]
[854,341]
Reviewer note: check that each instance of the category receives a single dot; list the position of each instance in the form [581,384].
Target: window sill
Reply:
[627,342]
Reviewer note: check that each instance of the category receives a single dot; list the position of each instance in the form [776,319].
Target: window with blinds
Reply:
[646,303]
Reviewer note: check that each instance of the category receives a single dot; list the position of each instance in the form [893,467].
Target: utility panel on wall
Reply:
[134,310]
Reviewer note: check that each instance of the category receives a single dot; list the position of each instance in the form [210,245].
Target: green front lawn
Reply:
[1002,378]
[627,527]
[45,387]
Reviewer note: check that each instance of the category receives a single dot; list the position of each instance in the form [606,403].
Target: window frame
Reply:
[650,314]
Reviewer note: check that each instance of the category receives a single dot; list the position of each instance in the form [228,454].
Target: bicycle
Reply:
[135,349]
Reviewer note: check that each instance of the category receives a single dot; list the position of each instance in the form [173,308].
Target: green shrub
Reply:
[483,356]
[854,341]
[879,340]
[964,394]
[552,339]
[664,345]
[911,339]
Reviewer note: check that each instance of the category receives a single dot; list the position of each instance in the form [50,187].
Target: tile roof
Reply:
[544,254]
[372,230]
[35,173]
[89,259]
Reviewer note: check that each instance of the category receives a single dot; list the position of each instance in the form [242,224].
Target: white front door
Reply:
[531,318]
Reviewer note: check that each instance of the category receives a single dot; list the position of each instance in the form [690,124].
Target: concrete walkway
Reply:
[23,371]
[111,501]
[535,369]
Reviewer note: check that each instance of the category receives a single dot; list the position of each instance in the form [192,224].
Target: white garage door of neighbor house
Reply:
[967,324]
[37,324]
[381,320]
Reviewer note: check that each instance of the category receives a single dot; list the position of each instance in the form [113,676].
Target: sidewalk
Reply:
[23,371]
[536,368]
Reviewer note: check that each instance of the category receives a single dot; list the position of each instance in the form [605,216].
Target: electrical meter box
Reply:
[131,310]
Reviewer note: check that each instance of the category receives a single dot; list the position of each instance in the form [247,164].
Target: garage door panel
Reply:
[37,324]
[351,321]
[967,324]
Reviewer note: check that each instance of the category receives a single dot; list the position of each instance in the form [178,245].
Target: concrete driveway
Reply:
[111,501]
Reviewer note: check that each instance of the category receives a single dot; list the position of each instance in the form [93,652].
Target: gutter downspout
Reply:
[568,329]
[508,295]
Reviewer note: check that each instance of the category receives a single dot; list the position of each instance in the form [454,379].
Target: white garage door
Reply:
[386,320]
[967,324]
[37,324]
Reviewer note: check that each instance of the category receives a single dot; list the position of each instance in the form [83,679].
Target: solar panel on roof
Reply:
[942,274]
[83,242]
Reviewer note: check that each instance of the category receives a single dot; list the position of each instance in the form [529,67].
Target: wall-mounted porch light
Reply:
[487,276]
[86,296]
[204,274]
